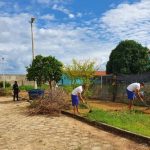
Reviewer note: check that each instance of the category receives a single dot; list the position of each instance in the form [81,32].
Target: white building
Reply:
[21,79]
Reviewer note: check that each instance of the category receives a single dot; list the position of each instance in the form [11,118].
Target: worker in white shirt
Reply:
[75,96]
[133,91]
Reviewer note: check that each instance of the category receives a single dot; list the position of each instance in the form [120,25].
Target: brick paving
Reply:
[19,131]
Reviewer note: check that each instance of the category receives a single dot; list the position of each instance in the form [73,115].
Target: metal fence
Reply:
[114,87]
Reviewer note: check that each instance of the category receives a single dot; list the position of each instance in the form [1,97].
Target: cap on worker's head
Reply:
[142,83]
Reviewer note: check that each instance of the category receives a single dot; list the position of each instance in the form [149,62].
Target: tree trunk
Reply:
[50,84]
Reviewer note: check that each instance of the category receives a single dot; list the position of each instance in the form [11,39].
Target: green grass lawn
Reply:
[134,121]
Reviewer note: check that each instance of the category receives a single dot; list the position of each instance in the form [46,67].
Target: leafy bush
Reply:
[26,87]
[30,87]
[7,84]
[44,87]
[68,88]
[52,104]
[5,92]
[88,93]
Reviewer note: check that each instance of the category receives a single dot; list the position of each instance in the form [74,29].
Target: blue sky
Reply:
[68,29]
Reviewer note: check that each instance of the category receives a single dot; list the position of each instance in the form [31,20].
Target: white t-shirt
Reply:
[134,86]
[77,90]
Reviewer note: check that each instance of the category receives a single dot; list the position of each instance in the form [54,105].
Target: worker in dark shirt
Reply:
[15,90]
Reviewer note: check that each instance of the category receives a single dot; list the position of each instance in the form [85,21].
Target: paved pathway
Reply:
[18,131]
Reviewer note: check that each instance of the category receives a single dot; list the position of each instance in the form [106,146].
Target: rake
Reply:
[146,105]
[89,107]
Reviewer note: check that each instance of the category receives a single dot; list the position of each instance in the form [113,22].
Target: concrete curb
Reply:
[123,133]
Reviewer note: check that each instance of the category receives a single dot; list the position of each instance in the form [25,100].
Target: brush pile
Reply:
[53,102]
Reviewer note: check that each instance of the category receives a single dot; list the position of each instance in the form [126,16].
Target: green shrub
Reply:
[26,87]
[68,88]
[88,93]
[44,87]
[7,84]
[30,87]
[5,92]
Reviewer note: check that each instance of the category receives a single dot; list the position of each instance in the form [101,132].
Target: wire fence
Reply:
[113,88]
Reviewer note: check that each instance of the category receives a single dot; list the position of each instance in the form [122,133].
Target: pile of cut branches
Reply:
[53,102]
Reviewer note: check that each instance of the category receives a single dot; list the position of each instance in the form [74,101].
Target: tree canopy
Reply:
[80,70]
[129,57]
[45,69]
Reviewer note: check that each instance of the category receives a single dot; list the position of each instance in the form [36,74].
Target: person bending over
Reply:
[133,91]
[75,96]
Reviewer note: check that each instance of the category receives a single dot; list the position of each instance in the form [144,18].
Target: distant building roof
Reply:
[100,73]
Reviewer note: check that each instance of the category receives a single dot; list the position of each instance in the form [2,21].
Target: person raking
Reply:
[75,96]
[133,91]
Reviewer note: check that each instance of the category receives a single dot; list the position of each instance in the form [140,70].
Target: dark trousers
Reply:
[15,95]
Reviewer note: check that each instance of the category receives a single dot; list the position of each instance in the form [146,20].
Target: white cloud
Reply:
[63,41]
[15,43]
[48,17]
[64,10]
[127,21]
[60,8]
[92,39]
[66,42]
[52,2]
[71,16]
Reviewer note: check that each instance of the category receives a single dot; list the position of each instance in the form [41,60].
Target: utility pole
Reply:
[3,73]
[33,54]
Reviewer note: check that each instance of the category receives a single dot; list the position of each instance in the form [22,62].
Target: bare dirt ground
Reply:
[19,131]
[107,105]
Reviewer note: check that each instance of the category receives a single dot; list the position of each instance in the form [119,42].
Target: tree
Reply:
[80,70]
[7,84]
[34,71]
[129,57]
[45,69]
